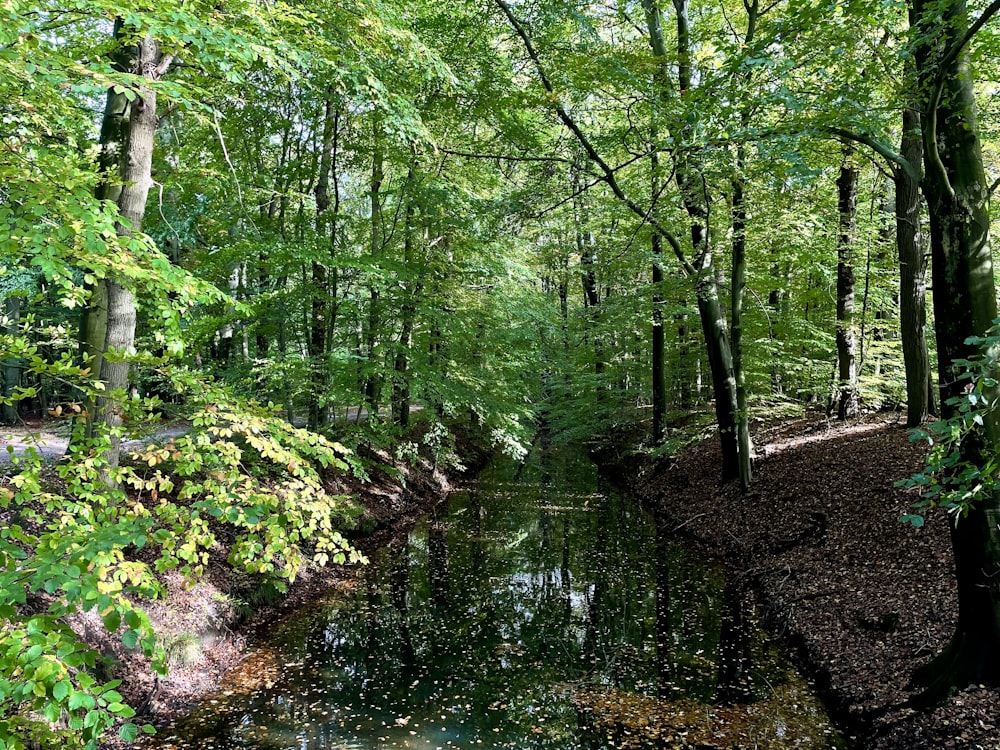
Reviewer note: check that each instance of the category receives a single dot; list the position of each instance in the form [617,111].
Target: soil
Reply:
[860,598]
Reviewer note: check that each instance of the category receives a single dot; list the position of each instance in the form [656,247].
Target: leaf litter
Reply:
[859,597]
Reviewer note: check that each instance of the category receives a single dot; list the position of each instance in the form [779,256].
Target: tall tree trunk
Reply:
[739,212]
[847,199]
[373,381]
[957,194]
[318,376]
[738,277]
[912,276]
[658,339]
[411,292]
[12,366]
[694,194]
[137,178]
[110,163]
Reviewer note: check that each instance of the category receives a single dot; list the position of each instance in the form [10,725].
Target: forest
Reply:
[309,231]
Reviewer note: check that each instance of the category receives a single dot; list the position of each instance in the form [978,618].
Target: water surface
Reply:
[535,609]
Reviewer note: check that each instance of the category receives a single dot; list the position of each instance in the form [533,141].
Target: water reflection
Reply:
[517,615]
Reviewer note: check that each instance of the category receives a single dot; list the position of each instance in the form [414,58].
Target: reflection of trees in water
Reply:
[565,578]
[734,683]
[399,586]
[665,685]
[437,556]
[527,587]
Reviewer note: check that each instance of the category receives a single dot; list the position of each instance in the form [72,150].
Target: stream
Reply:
[532,609]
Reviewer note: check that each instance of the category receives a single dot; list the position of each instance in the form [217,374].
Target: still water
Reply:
[538,608]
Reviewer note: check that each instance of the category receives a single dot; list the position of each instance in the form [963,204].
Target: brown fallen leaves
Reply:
[859,597]
[629,720]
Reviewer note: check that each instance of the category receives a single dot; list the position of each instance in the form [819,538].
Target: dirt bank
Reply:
[208,628]
[860,598]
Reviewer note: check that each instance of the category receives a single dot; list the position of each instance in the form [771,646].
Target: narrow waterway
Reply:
[535,609]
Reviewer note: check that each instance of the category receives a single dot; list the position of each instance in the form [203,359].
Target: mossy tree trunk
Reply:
[119,343]
[912,276]
[957,194]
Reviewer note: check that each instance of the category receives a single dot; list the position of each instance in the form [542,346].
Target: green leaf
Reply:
[121,709]
[128,732]
[130,638]
[113,621]
[60,690]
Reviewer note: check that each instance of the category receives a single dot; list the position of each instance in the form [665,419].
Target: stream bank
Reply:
[860,598]
[207,628]
[537,608]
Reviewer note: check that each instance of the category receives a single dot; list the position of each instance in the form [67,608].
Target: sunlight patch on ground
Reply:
[818,435]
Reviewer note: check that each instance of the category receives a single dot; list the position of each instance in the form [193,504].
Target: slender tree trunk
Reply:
[957,194]
[563,271]
[694,193]
[318,376]
[658,339]
[720,362]
[688,384]
[586,249]
[774,305]
[286,392]
[912,276]
[12,366]
[739,212]
[847,198]
[411,292]
[738,278]
[373,381]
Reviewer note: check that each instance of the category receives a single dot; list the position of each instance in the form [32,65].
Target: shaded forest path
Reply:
[51,443]
[861,597]
[50,437]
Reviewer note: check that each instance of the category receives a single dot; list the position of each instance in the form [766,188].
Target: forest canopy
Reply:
[298,228]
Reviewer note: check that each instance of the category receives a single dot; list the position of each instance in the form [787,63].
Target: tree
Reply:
[965,307]
[910,247]
[148,65]
[700,268]
[847,201]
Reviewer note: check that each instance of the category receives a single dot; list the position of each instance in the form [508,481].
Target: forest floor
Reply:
[860,598]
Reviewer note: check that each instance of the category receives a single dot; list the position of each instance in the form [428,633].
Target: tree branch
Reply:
[956,49]
[504,157]
[946,61]
[880,148]
[608,174]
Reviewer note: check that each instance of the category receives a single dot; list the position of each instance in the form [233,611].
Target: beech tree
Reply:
[117,307]
[847,201]
[965,308]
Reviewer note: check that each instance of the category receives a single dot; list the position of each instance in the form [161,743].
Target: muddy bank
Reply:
[860,598]
[207,628]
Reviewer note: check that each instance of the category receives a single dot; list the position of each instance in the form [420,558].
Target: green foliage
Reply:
[468,263]
[955,477]
[74,546]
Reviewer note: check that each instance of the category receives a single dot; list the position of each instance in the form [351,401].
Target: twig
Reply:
[680,526]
